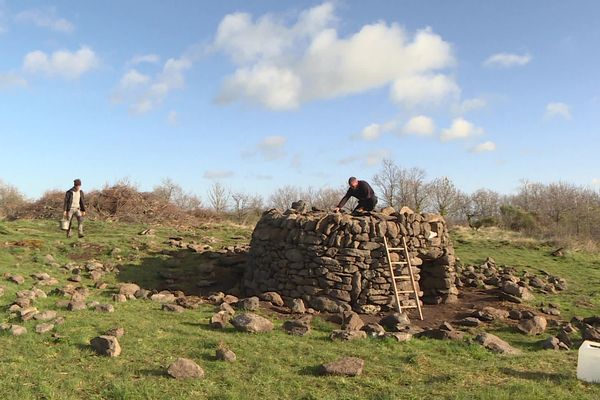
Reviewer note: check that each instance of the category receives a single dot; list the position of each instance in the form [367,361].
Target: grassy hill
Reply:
[274,365]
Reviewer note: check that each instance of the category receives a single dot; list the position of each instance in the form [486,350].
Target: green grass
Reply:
[273,365]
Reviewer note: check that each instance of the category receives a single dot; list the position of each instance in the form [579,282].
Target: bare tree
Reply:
[11,200]
[416,189]
[388,181]
[485,203]
[171,192]
[444,196]
[284,196]
[218,197]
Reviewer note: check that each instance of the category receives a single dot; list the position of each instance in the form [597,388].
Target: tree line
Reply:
[558,209]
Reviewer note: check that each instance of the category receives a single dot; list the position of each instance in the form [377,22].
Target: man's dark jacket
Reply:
[69,200]
[363,192]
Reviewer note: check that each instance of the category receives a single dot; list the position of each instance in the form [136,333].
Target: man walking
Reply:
[75,207]
[363,192]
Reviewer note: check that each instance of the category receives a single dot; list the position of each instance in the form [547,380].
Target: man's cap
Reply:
[351,179]
[77,182]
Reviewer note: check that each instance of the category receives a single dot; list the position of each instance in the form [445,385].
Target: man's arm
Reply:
[344,199]
[81,202]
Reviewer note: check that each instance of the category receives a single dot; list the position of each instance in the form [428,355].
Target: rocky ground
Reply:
[496,302]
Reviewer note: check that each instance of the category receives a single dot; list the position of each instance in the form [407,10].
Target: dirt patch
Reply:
[27,243]
[86,251]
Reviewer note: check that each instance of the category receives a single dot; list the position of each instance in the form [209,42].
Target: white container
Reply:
[64,224]
[588,362]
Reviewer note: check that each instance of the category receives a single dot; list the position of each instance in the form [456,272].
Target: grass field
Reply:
[273,365]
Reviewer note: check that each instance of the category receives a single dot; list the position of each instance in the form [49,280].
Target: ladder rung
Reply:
[396,248]
[402,277]
[399,263]
[405,292]
[408,307]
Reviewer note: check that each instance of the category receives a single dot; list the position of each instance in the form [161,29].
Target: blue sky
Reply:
[263,94]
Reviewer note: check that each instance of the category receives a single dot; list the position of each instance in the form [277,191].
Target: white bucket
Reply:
[64,224]
[588,362]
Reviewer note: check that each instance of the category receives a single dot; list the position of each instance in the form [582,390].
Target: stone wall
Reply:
[336,261]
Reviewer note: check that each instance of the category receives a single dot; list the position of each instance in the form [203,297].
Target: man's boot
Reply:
[69,234]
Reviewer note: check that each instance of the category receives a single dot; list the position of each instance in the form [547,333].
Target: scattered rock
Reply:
[163,297]
[533,326]
[116,332]
[184,368]
[495,344]
[249,304]
[249,322]
[588,332]
[76,305]
[469,321]
[296,306]
[224,354]
[75,278]
[273,298]
[106,308]
[373,330]
[17,330]
[346,366]
[553,343]
[106,345]
[342,334]
[227,308]
[44,327]
[399,336]
[230,299]
[119,298]
[172,308]
[128,289]
[298,327]
[220,320]
[351,321]
[18,279]
[395,322]
[142,294]
[45,315]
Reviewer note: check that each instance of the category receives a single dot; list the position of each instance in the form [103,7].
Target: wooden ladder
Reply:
[400,277]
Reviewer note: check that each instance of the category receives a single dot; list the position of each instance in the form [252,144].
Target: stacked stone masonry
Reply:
[336,261]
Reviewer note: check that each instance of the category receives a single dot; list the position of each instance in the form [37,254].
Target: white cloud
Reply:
[561,110]
[144,93]
[374,131]
[423,89]
[264,177]
[460,129]
[373,157]
[469,105]
[272,147]
[133,78]
[376,157]
[45,18]
[281,65]
[507,60]
[419,125]
[483,147]
[172,118]
[596,181]
[62,63]
[218,174]
[144,58]
[11,79]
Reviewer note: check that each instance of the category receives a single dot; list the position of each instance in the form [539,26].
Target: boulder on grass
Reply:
[252,323]
[184,368]
[346,366]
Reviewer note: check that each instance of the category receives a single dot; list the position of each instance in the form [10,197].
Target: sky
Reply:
[261,94]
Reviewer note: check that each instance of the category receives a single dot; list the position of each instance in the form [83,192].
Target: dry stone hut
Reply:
[336,261]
